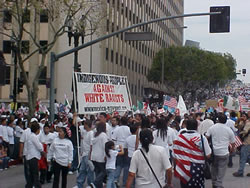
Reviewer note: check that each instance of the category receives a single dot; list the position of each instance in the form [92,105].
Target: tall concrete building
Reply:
[115,55]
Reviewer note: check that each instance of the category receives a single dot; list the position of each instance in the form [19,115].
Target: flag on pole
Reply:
[231,104]
[170,101]
[139,105]
[181,106]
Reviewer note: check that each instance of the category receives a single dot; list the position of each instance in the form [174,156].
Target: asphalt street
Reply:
[14,178]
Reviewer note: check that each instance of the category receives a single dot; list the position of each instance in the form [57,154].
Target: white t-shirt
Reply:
[121,133]
[110,131]
[98,147]
[160,142]
[205,125]
[5,133]
[130,145]
[172,134]
[158,159]
[110,163]
[19,131]
[86,142]
[222,136]
[10,134]
[231,124]
[34,147]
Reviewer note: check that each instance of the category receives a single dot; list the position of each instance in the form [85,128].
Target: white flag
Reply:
[181,106]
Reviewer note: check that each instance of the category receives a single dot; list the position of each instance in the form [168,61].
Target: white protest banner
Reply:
[101,93]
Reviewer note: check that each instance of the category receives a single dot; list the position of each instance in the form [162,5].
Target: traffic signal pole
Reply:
[55,57]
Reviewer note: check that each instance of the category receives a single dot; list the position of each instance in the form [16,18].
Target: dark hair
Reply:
[146,138]
[65,132]
[100,127]
[145,123]
[244,113]
[162,128]
[34,127]
[88,123]
[192,124]
[46,124]
[133,127]
[108,146]
[233,114]
[222,118]
[124,120]
[103,114]
[177,119]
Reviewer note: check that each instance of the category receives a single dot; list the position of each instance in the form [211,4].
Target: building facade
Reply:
[115,55]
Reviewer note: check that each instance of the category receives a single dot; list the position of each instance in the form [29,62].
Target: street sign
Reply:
[138,36]
[220,23]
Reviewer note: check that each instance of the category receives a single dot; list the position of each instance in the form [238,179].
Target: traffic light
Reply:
[20,85]
[78,67]
[220,23]
[244,71]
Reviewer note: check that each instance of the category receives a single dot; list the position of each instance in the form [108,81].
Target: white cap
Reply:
[33,120]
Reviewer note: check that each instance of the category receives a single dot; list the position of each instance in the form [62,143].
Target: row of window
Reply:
[133,89]
[42,79]
[26,16]
[7,46]
[126,62]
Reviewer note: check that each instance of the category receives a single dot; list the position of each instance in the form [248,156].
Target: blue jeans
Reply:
[122,162]
[111,178]
[244,154]
[4,163]
[84,172]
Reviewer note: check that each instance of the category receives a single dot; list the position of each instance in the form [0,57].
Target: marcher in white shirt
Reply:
[34,150]
[222,136]
[111,129]
[85,171]
[10,130]
[62,151]
[97,153]
[205,125]
[120,135]
[161,137]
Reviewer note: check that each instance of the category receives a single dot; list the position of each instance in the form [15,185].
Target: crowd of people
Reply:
[143,149]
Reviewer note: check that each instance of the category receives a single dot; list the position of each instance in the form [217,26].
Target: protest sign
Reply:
[101,93]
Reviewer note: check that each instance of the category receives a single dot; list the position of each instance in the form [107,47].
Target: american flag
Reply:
[170,101]
[186,153]
[237,142]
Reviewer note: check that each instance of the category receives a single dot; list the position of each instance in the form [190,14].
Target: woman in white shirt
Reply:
[34,150]
[161,137]
[97,154]
[10,130]
[157,158]
[62,151]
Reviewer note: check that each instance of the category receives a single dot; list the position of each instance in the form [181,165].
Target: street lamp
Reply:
[76,34]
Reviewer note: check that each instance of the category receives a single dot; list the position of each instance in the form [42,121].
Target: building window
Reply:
[142,69]
[107,25]
[116,58]
[25,47]
[132,65]
[42,78]
[112,56]
[128,63]
[125,62]
[136,67]
[135,90]
[121,57]
[139,68]
[44,16]
[26,16]
[7,16]
[145,71]
[43,43]
[7,75]
[132,89]
[6,46]
[107,54]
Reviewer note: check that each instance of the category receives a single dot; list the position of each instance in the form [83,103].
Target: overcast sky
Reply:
[237,42]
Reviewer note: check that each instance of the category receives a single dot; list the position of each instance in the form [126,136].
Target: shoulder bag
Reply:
[207,171]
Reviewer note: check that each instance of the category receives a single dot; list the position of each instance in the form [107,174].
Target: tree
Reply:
[59,12]
[191,71]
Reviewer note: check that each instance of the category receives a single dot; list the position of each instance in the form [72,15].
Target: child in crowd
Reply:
[3,158]
[111,155]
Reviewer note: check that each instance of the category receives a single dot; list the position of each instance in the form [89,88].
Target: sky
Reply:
[237,42]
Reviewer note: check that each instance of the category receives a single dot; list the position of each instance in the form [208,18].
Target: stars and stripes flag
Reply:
[186,152]
[170,101]
[237,142]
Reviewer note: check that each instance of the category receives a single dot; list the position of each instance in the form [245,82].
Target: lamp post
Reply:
[77,33]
